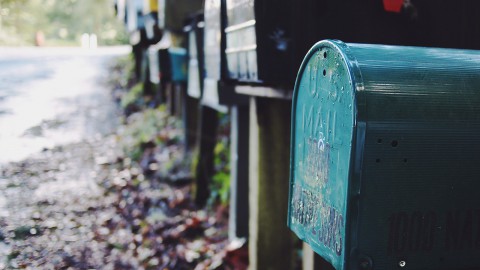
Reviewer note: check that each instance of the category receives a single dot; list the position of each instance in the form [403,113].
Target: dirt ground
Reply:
[87,205]
[80,206]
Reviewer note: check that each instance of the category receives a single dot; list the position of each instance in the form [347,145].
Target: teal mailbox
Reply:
[385,156]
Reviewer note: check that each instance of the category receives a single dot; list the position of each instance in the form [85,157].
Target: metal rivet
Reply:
[402,263]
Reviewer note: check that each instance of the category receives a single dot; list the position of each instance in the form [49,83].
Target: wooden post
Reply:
[159,90]
[169,91]
[207,139]
[271,243]
[312,261]
[238,220]
[138,56]
[148,90]
[179,98]
[190,121]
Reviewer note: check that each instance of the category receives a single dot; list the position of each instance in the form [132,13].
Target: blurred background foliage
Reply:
[58,22]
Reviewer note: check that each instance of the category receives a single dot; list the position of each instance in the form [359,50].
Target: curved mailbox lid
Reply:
[322,131]
[384,157]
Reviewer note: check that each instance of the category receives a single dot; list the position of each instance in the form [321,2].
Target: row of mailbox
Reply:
[264,42]
[384,162]
[384,156]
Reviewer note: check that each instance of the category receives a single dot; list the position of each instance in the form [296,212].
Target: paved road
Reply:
[53,96]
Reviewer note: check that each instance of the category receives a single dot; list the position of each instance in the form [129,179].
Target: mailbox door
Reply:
[323,128]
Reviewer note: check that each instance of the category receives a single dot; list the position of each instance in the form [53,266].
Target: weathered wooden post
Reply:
[210,103]
[239,214]
[208,125]
[195,75]
[271,244]
[178,60]
[220,96]
[202,120]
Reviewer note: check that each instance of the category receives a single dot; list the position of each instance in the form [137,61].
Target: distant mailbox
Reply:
[178,60]
[258,41]
[385,163]
[135,20]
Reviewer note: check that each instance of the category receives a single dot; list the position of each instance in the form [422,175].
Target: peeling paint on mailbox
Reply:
[322,139]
